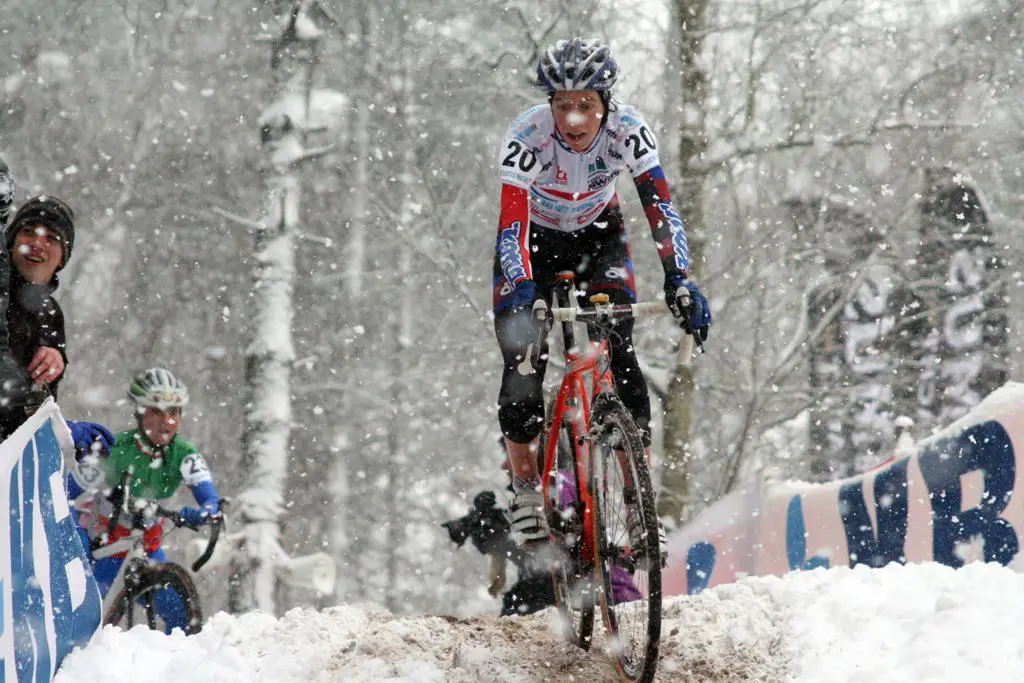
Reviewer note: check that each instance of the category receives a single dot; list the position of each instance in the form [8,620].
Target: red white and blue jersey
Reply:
[547,183]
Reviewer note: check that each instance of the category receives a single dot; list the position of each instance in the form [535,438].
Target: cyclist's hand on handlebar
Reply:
[523,296]
[196,517]
[688,305]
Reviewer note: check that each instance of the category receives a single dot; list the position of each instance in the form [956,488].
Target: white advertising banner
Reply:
[956,497]
[50,601]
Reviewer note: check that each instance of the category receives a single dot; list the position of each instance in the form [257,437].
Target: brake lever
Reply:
[541,316]
[686,305]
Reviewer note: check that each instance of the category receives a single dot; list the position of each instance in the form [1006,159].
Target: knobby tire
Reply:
[156,577]
[634,626]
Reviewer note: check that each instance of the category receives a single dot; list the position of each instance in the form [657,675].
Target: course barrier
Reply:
[48,597]
[948,499]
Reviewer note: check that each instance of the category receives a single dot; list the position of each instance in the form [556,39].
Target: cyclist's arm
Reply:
[513,245]
[639,149]
[196,475]
[206,495]
[666,224]
[518,169]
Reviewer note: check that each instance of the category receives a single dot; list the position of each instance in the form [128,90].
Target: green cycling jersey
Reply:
[154,479]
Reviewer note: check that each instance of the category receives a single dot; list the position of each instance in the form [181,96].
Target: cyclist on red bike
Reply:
[560,211]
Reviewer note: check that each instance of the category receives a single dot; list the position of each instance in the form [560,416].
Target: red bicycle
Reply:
[597,482]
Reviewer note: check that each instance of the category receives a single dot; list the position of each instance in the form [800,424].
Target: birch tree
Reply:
[689,16]
[269,356]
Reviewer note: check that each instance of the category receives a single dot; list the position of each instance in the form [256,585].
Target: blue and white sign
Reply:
[50,600]
[953,498]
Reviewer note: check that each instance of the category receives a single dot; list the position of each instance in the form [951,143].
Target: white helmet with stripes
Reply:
[158,388]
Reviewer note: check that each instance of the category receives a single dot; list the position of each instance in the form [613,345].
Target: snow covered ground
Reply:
[916,624]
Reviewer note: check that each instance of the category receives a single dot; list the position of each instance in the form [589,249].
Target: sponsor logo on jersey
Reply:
[562,178]
[629,120]
[616,273]
[544,217]
[508,253]
[596,182]
[598,174]
[591,212]
[527,115]
[523,134]
[680,249]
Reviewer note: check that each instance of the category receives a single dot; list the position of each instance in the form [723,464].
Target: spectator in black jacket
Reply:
[39,240]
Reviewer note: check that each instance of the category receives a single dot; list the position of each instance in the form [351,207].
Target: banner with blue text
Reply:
[953,498]
[50,600]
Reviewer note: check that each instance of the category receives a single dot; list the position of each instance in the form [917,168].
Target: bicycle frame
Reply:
[607,438]
[587,374]
[133,545]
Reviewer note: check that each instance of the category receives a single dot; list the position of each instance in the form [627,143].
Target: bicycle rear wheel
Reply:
[141,605]
[571,573]
[630,592]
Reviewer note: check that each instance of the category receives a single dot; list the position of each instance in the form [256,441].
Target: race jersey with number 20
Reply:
[568,190]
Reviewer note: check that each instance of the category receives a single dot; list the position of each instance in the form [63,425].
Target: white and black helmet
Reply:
[577,64]
[158,388]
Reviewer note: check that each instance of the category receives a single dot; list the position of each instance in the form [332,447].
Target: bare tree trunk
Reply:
[360,216]
[267,422]
[690,19]
[397,437]
[403,329]
[268,409]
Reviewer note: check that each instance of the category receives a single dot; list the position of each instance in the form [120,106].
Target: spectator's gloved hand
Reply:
[688,305]
[196,517]
[90,438]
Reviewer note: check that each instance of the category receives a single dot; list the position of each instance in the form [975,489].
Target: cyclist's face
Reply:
[578,115]
[160,426]
[37,253]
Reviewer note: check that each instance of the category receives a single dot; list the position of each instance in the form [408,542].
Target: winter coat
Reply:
[34,319]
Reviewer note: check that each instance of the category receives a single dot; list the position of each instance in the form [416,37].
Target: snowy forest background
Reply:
[145,115]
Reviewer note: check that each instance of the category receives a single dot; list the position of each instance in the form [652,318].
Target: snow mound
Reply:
[919,623]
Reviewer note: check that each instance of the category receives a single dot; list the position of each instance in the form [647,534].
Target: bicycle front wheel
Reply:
[629,570]
[572,574]
[164,597]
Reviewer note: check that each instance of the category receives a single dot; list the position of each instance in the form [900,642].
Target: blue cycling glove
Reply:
[694,317]
[523,296]
[195,517]
[90,437]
